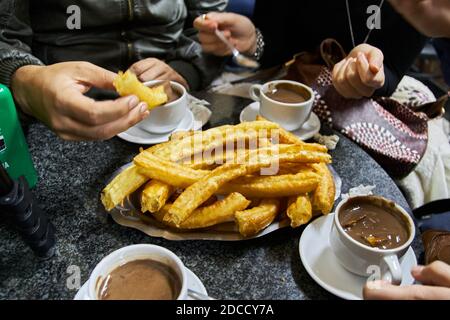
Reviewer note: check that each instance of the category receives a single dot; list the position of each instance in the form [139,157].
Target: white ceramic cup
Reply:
[359,258]
[167,117]
[290,116]
[136,252]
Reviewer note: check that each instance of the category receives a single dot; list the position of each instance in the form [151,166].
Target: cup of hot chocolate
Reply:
[371,232]
[285,102]
[139,272]
[167,117]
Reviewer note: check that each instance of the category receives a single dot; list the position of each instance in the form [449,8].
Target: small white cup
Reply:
[136,252]
[290,116]
[359,258]
[167,117]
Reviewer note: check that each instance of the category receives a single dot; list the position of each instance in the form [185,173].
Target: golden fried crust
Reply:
[273,186]
[287,137]
[299,210]
[219,212]
[155,195]
[200,191]
[128,84]
[167,171]
[121,186]
[178,135]
[253,220]
[323,196]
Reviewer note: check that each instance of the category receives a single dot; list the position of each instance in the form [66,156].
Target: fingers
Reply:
[205,25]
[353,77]
[437,274]
[207,37]
[366,73]
[77,106]
[381,290]
[340,81]
[153,73]
[141,66]
[163,72]
[96,76]
[155,69]
[76,131]
[375,58]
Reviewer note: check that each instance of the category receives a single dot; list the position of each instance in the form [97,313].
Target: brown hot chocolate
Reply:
[144,279]
[287,93]
[373,223]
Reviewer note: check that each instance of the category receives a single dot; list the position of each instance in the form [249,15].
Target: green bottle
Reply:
[14,154]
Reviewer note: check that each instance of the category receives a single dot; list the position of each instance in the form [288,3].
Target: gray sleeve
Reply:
[15,38]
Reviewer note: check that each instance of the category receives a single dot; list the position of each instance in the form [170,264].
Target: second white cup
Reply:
[291,116]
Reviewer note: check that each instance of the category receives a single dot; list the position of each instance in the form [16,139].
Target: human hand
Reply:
[155,69]
[238,29]
[55,95]
[360,73]
[431,17]
[435,279]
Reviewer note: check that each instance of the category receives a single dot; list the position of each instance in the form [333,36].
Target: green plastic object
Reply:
[14,154]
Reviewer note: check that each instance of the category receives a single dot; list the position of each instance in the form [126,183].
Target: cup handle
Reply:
[394,272]
[255,92]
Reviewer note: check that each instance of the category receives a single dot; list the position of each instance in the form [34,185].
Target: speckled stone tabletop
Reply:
[71,176]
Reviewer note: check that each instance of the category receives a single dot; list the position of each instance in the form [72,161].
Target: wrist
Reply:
[259,51]
[21,82]
[251,51]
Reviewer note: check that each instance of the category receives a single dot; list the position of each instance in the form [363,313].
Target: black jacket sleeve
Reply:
[15,38]
[290,27]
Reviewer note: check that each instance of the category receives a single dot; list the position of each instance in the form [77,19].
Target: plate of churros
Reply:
[226,183]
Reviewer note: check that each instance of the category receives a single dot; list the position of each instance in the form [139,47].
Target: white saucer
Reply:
[194,283]
[137,135]
[322,265]
[307,131]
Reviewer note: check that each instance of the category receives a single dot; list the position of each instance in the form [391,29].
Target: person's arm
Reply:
[15,39]
[401,45]
[189,60]
[55,94]
[431,17]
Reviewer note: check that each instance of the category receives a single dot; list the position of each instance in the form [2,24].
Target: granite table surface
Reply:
[71,176]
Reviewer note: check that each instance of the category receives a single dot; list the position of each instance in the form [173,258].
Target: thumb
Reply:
[381,290]
[98,77]
[375,58]
[436,273]
[204,24]
[223,19]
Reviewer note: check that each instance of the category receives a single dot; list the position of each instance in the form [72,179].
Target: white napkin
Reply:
[200,110]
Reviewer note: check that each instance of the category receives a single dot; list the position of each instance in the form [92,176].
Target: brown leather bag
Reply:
[394,134]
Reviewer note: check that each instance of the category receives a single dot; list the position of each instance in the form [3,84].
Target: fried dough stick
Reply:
[323,196]
[253,220]
[201,141]
[219,212]
[273,186]
[121,186]
[182,176]
[290,138]
[166,171]
[299,210]
[193,196]
[155,195]
[127,84]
